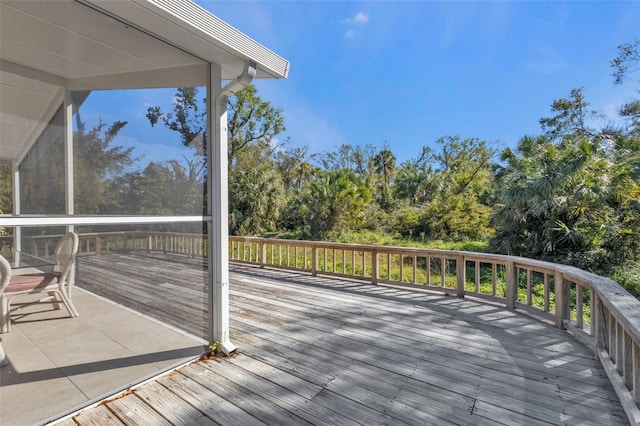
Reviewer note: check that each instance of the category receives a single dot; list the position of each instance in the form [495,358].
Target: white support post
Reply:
[217,204]
[68,157]
[17,231]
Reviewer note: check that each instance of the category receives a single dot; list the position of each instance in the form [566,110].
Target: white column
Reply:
[68,156]
[17,231]
[217,204]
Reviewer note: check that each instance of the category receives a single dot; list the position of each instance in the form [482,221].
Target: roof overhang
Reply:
[188,26]
[49,46]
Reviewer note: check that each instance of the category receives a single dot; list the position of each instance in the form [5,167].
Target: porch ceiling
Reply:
[49,46]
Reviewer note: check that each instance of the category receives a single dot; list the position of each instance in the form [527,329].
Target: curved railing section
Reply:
[595,309]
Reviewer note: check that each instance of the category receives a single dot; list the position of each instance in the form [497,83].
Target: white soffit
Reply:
[82,46]
[190,27]
[30,100]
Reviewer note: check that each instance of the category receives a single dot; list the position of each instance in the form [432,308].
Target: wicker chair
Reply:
[57,283]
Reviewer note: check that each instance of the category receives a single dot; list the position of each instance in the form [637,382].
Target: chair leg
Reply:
[5,318]
[68,304]
[3,357]
[55,300]
[67,292]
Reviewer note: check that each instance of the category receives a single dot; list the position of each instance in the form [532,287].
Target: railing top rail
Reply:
[116,233]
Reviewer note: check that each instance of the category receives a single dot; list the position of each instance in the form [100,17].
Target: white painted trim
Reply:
[218,208]
[68,157]
[96,220]
[189,75]
[17,232]
[32,73]
[68,154]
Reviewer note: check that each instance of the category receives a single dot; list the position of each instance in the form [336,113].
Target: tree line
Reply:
[570,194]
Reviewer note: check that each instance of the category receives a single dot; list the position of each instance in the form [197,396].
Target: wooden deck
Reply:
[315,350]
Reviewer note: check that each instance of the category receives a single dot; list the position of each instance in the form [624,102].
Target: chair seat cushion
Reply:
[29,282]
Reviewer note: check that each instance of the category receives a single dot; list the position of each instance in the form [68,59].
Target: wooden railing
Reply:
[597,310]
[191,245]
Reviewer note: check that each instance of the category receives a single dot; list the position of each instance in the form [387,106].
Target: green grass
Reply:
[375,238]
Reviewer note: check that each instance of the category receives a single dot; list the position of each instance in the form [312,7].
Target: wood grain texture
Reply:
[326,350]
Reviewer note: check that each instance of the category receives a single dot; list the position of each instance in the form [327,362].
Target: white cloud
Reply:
[360,18]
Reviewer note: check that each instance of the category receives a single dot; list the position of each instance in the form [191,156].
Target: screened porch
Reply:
[81,152]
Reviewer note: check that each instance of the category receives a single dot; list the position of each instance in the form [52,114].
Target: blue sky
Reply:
[405,73]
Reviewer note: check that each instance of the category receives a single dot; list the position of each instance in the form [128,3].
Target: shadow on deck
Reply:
[317,350]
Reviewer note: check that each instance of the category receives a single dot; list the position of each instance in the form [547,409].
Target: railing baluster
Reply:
[324,260]
[414,268]
[529,289]
[579,307]
[563,300]
[374,267]
[314,261]
[512,285]
[547,291]
[627,363]
[494,278]
[619,348]
[636,374]
[461,277]
[353,263]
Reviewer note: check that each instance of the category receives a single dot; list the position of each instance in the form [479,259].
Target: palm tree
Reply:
[384,163]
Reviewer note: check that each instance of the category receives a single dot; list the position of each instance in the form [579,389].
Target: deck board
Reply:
[97,416]
[325,350]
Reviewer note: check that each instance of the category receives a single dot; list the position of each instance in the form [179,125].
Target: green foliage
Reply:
[572,115]
[627,62]
[255,199]
[253,122]
[446,191]
[457,217]
[97,162]
[391,239]
[627,274]
[215,347]
[329,200]
[6,189]
[167,188]
[187,118]
[576,196]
